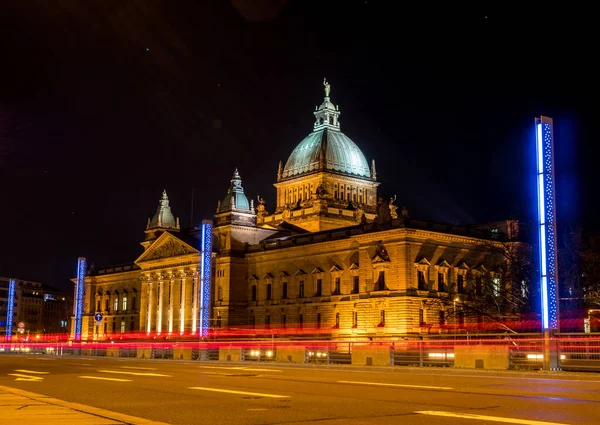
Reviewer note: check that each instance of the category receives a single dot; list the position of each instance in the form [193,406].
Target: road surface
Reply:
[188,393]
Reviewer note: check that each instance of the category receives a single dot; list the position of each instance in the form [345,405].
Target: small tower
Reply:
[235,208]
[162,220]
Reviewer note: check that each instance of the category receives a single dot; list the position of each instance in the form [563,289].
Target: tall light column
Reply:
[547,237]
[12,287]
[205,277]
[81,265]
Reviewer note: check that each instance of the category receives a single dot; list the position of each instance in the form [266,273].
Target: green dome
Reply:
[235,198]
[339,153]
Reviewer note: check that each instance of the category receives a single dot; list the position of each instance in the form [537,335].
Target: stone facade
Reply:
[334,259]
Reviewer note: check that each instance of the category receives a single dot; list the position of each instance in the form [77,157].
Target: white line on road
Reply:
[140,368]
[252,369]
[487,418]
[31,371]
[122,372]
[105,379]
[383,384]
[21,377]
[217,390]
[258,369]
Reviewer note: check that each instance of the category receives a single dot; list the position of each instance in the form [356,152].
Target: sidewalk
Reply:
[26,408]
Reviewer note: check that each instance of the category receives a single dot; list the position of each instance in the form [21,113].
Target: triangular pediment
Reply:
[268,276]
[443,264]
[317,270]
[283,274]
[353,266]
[299,272]
[335,268]
[253,277]
[463,266]
[424,262]
[166,246]
[379,259]
[482,269]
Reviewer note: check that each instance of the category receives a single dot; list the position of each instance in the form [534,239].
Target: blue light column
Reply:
[547,235]
[205,277]
[81,265]
[10,312]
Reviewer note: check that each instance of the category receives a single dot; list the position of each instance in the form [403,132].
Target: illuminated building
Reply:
[333,257]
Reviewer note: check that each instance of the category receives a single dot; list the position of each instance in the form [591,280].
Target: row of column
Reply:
[172,301]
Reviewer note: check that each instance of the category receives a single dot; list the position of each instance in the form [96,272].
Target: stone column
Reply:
[182,304]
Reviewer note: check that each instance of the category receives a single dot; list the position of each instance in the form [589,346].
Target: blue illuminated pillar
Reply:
[205,277]
[10,312]
[547,233]
[81,265]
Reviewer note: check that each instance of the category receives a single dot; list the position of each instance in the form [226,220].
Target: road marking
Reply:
[257,369]
[106,379]
[487,418]
[80,364]
[21,377]
[382,384]
[140,368]
[31,371]
[122,372]
[217,390]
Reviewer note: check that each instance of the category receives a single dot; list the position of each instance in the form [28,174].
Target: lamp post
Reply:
[455,317]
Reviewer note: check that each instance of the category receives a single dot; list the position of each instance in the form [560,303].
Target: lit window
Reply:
[124,302]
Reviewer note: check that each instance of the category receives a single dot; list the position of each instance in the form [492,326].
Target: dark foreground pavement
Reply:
[190,393]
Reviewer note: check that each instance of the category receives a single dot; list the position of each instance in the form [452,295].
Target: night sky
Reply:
[103,104]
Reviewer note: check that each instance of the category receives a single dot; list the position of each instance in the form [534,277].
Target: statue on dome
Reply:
[262,205]
[327,87]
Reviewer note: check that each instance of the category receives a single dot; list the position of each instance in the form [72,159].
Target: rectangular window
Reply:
[382,318]
[380,281]
[442,317]
[496,286]
[284,290]
[318,320]
[478,286]
[283,321]
[319,288]
[337,320]
[116,303]
[337,290]
[124,302]
[301,295]
[98,305]
[441,282]
[268,291]
[422,282]
[123,326]
[253,321]
[253,292]
[301,321]
[355,289]
[355,319]
[267,321]
[460,283]
[422,317]
[220,293]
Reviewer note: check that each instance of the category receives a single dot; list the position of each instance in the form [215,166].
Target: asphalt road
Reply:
[190,393]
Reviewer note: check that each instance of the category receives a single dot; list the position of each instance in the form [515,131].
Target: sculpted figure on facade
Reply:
[393,207]
[327,87]
[383,211]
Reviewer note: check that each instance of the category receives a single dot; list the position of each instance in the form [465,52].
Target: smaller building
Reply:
[37,309]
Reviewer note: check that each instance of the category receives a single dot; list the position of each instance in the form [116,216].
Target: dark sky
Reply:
[105,103]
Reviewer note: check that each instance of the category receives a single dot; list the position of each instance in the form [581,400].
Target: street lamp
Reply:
[455,317]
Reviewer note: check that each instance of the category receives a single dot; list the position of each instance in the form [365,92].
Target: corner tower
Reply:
[162,220]
[326,182]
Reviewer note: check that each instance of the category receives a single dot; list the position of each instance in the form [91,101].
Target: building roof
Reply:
[163,216]
[327,148]
[235,198]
